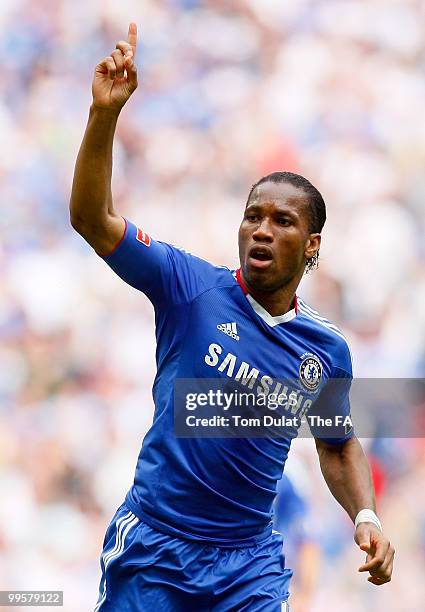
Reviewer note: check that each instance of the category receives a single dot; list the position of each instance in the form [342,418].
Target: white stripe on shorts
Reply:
[119,526]
[124,524]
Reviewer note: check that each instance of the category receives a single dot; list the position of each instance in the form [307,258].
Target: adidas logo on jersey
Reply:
[230,329]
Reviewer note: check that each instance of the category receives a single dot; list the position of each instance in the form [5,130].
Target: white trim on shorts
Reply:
[123,526]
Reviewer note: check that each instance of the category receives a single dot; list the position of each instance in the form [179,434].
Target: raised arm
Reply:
[347,474]
[91,207]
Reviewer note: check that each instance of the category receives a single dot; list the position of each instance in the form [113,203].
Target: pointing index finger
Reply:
[132,37]
[375,558]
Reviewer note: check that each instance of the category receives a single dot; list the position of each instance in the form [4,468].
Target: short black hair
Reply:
[317,206]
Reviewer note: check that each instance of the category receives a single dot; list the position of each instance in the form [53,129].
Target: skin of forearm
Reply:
[91,196]
[347,474]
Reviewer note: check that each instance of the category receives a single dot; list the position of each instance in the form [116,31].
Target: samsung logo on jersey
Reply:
[249,376]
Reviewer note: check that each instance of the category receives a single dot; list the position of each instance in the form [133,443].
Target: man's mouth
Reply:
[260,256]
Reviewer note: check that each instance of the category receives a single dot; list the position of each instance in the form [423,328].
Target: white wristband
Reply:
[367,516]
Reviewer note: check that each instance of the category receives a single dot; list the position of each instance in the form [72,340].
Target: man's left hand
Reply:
[380,553]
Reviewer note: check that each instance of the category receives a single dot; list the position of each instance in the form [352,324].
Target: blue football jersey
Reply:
[219,490]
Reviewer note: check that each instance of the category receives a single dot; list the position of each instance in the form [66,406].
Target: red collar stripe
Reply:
[240,281]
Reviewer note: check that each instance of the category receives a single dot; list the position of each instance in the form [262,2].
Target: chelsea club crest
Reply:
[311,372]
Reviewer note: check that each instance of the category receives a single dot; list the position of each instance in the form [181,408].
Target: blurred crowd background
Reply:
[229,91]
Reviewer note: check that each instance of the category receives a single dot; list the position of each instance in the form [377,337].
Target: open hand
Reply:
[115,77]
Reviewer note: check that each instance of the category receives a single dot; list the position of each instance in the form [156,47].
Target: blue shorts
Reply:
[147,570]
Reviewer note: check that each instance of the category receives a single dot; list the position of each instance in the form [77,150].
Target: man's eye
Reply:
[252,218]
[284,221]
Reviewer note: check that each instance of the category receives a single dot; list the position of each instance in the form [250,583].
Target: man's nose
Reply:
[263,233]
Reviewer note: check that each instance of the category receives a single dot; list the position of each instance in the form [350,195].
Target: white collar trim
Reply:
[267,317]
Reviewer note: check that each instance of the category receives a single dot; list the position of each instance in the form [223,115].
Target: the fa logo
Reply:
[311,372]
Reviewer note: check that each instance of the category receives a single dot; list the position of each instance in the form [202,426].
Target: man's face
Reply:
[274,236]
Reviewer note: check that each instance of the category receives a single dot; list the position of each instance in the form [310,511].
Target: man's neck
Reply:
[277,302]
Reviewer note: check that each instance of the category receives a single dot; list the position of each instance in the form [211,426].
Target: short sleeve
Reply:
[330,416]
[165,274]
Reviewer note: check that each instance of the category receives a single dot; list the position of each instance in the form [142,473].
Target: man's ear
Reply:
[312,246]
